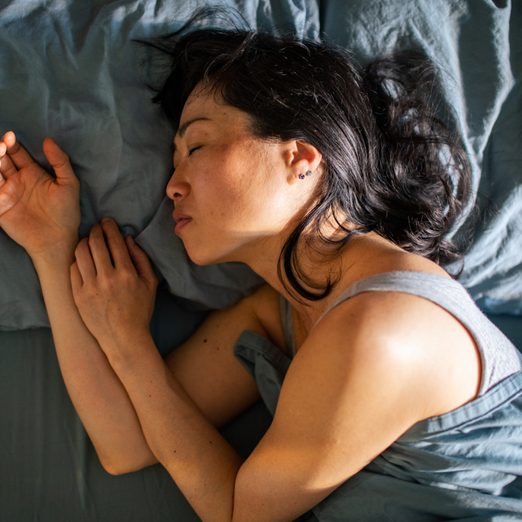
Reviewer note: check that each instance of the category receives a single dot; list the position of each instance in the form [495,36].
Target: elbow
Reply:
[116,469]
[122,466]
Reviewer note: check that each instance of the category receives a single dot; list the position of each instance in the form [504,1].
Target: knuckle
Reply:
[80,246]
[93,236]
[126,276]
[90,293]
[80,296]
[105,283]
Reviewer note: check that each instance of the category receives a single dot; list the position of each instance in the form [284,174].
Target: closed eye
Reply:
[191,151]
[194,149]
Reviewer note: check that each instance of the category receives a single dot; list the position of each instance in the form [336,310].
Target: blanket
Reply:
[69,69]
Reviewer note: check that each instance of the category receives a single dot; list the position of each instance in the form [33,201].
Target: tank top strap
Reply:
[416,283]
[498,355]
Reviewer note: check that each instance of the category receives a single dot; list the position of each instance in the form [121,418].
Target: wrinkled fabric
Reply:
[69,69]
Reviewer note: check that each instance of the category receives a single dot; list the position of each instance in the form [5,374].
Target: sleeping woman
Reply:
[393,397]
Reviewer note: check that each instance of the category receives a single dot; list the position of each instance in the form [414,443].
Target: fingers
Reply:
[141,261]
[99,251]
[84,263]
[7,167]
[19,157]
[3,149]
[76,278]
[93,255]
[118,249]
[58,160]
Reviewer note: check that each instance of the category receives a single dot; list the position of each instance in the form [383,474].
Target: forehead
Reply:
[204,105]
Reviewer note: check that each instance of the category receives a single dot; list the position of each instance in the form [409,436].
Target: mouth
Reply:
[181,222]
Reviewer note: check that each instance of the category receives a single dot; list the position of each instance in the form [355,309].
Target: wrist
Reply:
[125,350]
[58,255]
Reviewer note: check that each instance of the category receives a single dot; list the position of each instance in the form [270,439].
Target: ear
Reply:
[301,157]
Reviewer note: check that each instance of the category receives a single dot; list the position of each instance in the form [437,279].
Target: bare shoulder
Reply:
[367,372]
[348,394]
[414,337]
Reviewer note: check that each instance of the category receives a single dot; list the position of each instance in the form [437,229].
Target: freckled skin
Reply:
[234,187]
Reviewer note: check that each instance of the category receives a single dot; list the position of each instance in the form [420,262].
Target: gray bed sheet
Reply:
[49,471]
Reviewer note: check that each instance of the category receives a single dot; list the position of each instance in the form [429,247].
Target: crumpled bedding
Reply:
[68,69]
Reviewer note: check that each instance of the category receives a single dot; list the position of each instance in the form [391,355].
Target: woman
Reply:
[336,186]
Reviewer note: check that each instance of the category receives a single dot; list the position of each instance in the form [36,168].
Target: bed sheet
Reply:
[49,471]
[68,69]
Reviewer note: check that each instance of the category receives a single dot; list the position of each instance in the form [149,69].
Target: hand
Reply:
[113,287]
[38,212]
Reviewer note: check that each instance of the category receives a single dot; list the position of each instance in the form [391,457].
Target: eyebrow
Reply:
[183,129]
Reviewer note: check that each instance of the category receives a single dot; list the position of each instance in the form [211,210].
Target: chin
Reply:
[202,257]
[205,256]
[200,261]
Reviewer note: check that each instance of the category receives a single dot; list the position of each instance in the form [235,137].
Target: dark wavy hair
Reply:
[391,165]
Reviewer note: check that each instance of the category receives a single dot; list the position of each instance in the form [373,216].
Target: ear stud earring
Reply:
[302,176]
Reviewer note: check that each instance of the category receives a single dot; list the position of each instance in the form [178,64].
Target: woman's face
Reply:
[234,189]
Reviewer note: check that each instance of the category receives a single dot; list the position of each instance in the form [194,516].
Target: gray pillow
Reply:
[69,70]
[478,46]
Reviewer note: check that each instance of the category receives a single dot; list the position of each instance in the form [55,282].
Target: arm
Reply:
[346,398]
[42,214]
[336,413]
[97,394]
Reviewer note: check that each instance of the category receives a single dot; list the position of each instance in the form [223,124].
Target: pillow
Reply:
[477,45]
[68,69]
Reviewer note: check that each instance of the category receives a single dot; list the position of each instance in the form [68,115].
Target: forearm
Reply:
[96,392]
[200,461]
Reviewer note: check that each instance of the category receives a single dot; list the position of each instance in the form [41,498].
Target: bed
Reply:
[71,69]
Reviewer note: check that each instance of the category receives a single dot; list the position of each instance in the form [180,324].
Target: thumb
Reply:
[58,160]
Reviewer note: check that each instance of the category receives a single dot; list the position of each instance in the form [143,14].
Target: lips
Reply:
[181,220]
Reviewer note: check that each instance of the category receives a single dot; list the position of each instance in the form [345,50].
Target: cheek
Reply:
[235,187]
[227,188]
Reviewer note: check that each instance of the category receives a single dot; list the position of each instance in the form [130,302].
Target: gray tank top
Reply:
[499,357]
[463,465]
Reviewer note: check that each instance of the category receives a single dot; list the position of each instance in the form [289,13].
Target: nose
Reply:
[177,189]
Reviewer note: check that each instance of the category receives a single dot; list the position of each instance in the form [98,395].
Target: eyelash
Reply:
[191,151]
[194,149]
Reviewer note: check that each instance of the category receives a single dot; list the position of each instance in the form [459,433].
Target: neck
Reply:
[362,256]
[264,260]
